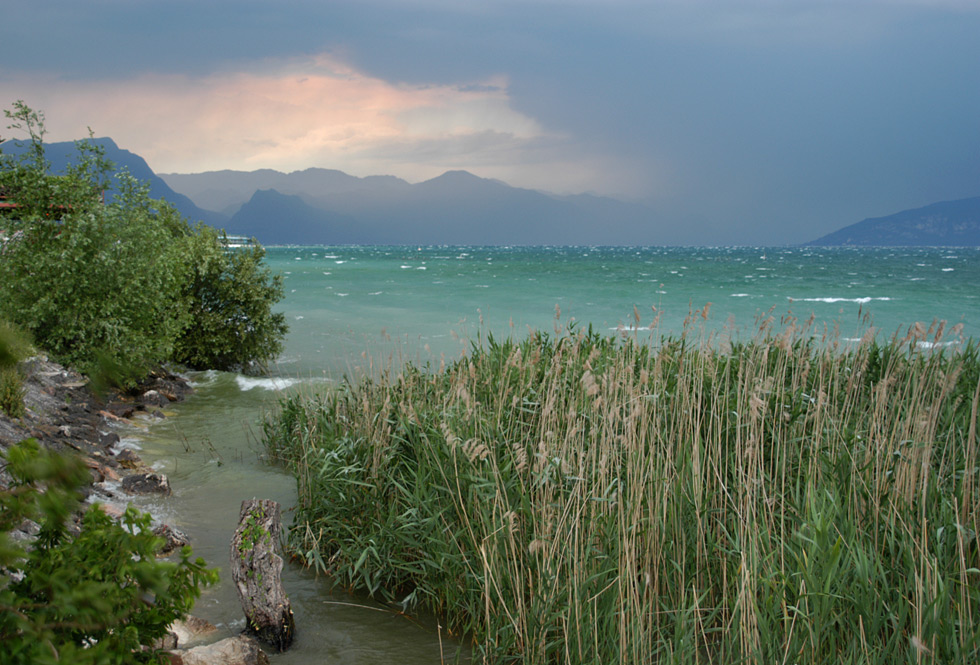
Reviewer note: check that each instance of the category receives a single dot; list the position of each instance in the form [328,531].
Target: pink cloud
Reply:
[294,115]
[290,115]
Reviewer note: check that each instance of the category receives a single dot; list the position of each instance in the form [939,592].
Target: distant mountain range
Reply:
[324,206]
[947,223]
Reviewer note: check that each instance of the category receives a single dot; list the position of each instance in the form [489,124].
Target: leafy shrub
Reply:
[128,281]
[100,279]
[14,347]
[11,392]
[229,296]
[98,597]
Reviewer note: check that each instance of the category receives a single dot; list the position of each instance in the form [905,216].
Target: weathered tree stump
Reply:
[256,568]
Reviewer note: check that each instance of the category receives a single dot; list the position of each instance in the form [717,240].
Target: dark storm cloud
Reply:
[775,121]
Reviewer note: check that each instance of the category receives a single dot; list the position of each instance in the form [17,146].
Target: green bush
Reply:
[229,296]
[102,278]
[11,392]
[14,347]
[101,596]
[126,282]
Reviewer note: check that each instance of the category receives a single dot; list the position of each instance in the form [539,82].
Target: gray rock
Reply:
[146,483]
[154,398]
[239,650]
[108,439]
[192,629]
[127,459]
[173,538]
[168,641]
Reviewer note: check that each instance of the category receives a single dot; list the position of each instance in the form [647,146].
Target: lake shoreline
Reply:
[65,415]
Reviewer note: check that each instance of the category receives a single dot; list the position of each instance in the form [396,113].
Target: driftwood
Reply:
[256,568]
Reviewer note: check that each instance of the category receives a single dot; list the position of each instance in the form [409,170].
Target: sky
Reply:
[757,122]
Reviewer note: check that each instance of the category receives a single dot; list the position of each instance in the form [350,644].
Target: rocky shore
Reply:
[64,414]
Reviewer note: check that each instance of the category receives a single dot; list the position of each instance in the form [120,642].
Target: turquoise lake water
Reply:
[343,301]
[349,307]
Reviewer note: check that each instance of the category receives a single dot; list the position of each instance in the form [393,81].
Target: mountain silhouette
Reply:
[456,207]
[946,223]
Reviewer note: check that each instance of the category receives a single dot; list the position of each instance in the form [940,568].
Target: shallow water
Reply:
[209,449]
[349,307]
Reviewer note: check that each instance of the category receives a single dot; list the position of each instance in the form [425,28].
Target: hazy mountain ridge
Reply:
[456,207]
[327,206]
[222,190]
[307,225]
[946,223]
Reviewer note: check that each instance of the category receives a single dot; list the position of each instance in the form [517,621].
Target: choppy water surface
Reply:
[343,301]
[348,306]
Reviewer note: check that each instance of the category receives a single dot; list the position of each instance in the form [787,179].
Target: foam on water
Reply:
[203,378]
[862,301]
[935,345]
[127,443]
[264,383]
[623,328]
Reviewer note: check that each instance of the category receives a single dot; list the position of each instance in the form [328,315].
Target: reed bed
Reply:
[572,498]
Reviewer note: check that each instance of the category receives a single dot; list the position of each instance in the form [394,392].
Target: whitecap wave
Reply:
[127,443]
[264,383]
[622,328]
[935,345]
[862,301]
[205,378]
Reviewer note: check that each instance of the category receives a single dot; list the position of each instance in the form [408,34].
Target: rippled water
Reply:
[349,306]
[342,301]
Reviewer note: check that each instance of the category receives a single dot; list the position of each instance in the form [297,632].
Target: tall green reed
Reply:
[582,499]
